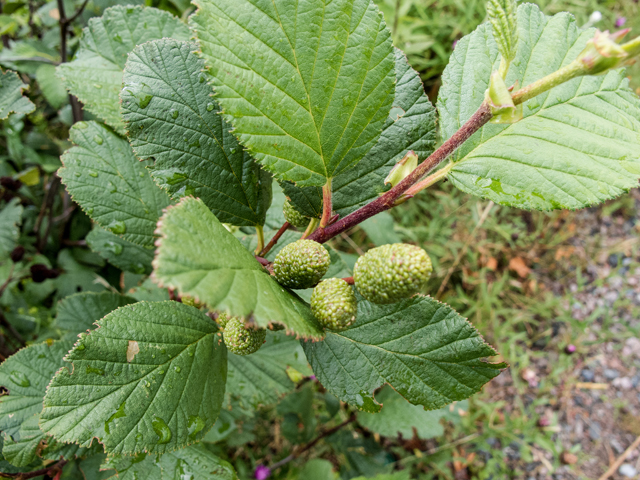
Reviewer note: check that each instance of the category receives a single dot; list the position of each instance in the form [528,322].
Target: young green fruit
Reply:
[222,319]
[334,304]
[294,217]
[242,340]
[301,264]
[390,273]
[187,300]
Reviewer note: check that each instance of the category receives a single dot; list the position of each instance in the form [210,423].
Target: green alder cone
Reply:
[301,264]
[222,319]
[187,300]
[390,273]
[334,304]
[294,217]
[242,340]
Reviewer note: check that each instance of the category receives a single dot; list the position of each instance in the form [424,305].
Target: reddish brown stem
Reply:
[262,261]
[389,199]
[311,444]
[327,204]
[274,240]
[51,470]
[349,280]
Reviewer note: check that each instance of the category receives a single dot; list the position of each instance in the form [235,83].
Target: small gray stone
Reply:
[617,446]
[587,375]
[610,373]
[627,470]
[594,431]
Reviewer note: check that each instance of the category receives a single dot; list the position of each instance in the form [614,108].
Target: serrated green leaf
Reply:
[78,313]
[150,378]
[51,86]
[181,128]
[577,144]
[11,98]
[119,252]
[6,467]
[200,258]
[502,16]
[111,185]
[23,452]
[95,75]
[400,417]
[195,462]
[10,220]
[92,468]
[306,88]
[26,375]
[317,469]
[307,200]
[421,347]
[411,125]
[149,291]
[192,462]
[140,467]
[56,450]
[261,378]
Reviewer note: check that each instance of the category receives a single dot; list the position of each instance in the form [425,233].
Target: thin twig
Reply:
[76,106]
[463,250]
[62,20]
[351,243]
[8,280]
[47,206]
[612,469]
[275,239]
[12,329]
[312,443]
[78,12]
[50,470]
[5,38]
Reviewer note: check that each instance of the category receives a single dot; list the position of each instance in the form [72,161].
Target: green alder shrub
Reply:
[194,122]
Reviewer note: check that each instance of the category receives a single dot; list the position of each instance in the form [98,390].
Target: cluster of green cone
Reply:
[383,275]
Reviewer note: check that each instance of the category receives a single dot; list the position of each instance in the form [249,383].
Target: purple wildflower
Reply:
[262,472]
[620,21]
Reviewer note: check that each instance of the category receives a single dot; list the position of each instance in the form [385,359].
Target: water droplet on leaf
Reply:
[95,370]
[117,227]
[162,430]
[195,425]
[117,414]
[19,379]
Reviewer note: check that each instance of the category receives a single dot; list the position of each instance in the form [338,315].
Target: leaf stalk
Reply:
[327,205]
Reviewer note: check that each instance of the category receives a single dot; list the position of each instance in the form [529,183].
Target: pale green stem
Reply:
[573,70]
[313,224]
[426,183]
[260,234]
[504,67]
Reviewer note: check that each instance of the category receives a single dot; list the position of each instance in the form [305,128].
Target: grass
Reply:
[427,29]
